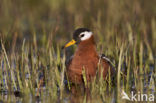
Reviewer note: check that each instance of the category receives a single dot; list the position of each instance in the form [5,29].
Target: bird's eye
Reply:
[82,35]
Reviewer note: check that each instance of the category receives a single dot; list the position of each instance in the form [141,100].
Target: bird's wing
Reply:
[68,61]
[107,62]
[106,59]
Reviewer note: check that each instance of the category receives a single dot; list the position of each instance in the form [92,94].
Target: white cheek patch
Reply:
[87,35]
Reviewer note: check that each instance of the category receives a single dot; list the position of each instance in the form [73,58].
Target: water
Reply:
[17,96]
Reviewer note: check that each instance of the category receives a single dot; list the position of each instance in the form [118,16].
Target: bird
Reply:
[86,58]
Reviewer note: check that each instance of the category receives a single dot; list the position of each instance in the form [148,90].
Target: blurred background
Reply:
[32,33]
[48,21]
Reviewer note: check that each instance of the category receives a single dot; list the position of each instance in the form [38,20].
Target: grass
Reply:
[32,33]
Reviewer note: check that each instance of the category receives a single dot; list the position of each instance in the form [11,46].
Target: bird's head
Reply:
[80,35]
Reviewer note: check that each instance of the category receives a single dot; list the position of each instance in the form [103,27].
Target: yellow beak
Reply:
[72,42]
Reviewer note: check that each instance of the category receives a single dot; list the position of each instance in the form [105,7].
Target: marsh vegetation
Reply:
[32,63]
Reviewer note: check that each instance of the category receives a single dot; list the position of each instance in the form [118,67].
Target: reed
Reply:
[32,33]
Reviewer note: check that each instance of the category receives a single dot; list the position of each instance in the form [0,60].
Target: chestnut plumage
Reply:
[85,58]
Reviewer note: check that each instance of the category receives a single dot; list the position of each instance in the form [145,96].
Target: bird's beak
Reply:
[72,42]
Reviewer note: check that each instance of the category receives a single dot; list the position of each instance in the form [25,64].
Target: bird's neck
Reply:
[87,47]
